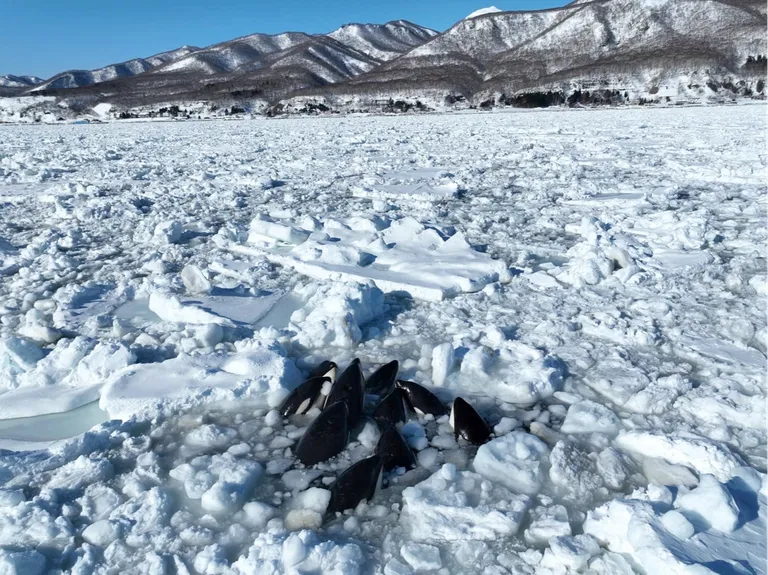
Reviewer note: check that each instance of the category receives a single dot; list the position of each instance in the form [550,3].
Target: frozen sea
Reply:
[592,281]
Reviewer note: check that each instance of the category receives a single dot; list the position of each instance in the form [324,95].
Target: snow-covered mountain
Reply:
[260,65]
[11,81]
[587,51]
[383,42]
[80,78]
[483,12]
[232,55]
[643,47]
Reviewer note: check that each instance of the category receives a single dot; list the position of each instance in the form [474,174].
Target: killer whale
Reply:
[326,436]
[301,399]
[349,387]
[394,450]
[467,423]
[356,483]
[421,400]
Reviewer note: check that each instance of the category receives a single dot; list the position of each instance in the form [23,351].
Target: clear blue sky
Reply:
[44,37]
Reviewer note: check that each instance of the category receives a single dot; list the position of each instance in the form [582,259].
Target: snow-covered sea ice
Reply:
[592,282]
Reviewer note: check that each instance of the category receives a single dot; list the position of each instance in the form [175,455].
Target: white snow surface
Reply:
[483,11]
[593,282]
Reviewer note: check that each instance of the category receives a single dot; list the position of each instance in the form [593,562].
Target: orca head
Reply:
[326,436]
[356,483]
[325,369]
[467,423]
[391,409]
[394,450]
[382,380]
[349,387]
[301,399]
[421,400]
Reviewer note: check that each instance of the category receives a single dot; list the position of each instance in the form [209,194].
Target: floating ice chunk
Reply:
[333,315]
[11,497]
[257,514]
[168,232]
[546,523]
[477,361]
[98,502]
[516,460]
[574,472]
[710,505]
[102,533]
[297,519]
[634,529]
[221,482]
[571,552]
[516,373]
[314,499]
[456,505]
[759,283]
[188,381]
[265,229]
[303,552]
[169,308]
[27,562]
[662,472]
[299,479]
[81,472]
[611,564]
[590,417]
[234,484]
[28,525]
[421,557]
[698,453]
[442,363]
[41,333]
[195,280]
[395,567]
[17,356]
[428,457]
[210,437]
[445,267]
[676,523]
[658,396]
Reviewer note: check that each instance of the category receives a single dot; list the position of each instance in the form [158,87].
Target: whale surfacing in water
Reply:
[421,399]
[325,369]
[326,436]
[382,380]
[391,409]
[301,399]
[350,388]
[356,483]
[394,451]
[467,423]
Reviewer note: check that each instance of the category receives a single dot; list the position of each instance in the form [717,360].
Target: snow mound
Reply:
[700,454]
[71,375]
[482,12]
[403,256]
[514,372]
[220,482]
[659,540]
[602,255]
[334,314]
[454,505]
[516,460]
[302,552]
[258,372]
[590,417]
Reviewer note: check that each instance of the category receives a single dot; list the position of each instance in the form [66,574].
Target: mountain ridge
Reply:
[588,51]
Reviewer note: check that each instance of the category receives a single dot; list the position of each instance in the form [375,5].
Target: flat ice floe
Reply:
[402,256]
[592,282]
